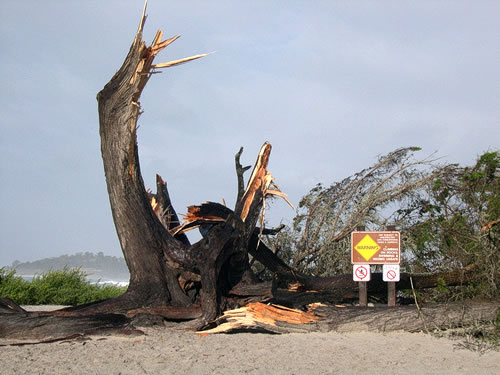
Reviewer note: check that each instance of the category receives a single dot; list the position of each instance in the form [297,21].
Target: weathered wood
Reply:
[406,318]
[240,171]
[248,210]
[175,313]
[204,217]
[391,294]
[155,257]
[143,238]
[47,325]
[267,258]
[50,326]
[345,283]
[258,183]
[7,306]
[363,293]
[165,211]
[331,318]
[295,290]
[44,341]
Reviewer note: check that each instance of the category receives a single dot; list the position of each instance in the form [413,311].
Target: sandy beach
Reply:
[172,350]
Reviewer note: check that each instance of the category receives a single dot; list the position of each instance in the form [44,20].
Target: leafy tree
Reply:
[448,216]
[456,225]
[318,240]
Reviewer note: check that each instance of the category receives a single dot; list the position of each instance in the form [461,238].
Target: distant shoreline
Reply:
[92,280]
[97,266]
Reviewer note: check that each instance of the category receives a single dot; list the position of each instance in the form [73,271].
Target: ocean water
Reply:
[91,280]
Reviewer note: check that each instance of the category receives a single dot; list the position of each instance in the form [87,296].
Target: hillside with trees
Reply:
[96,266]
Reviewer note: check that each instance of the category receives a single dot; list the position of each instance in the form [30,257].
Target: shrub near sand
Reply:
[62,287]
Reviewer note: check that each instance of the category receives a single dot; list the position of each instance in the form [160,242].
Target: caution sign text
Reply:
[375,247]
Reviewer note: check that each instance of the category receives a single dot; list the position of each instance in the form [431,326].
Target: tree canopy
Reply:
[448,215]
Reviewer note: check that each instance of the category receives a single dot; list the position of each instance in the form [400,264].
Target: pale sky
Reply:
[331,84]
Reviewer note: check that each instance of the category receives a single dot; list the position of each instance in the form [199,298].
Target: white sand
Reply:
[171,350]
[43,307]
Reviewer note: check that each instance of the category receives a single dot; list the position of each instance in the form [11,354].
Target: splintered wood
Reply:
[260,185]
[259,316]
[258,179]
[180,61]
[145,66]
[208,212]
[262,180]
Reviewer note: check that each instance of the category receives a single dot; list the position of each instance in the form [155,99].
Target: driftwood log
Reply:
[18,325]
[338,318]
[170,278]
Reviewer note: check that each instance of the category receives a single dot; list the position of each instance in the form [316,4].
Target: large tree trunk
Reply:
[142,237]
[157,255]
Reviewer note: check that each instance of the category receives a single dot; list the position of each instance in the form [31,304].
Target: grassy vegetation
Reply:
[62,287]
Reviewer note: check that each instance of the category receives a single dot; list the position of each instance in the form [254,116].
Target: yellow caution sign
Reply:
[367,247]
[375,247]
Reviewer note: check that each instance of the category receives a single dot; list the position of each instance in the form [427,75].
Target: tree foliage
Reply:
[447,214]
[318,240]
[453,223]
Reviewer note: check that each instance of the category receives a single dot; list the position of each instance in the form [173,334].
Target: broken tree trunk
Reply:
[337,318]
[160,259]
[17,323]
[144,240]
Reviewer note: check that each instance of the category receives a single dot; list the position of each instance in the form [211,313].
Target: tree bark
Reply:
[329,318]
[156,258]
[20,325]
[17,323]
[143,239]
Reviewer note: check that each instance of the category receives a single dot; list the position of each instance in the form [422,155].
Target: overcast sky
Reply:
[331,84]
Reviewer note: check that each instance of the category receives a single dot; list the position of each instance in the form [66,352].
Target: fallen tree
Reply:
[170,277]
[21,327]
[339,318]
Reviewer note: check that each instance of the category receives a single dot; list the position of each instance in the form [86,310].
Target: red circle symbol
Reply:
[391,275]
[361,272]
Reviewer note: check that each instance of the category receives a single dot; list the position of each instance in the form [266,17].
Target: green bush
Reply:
[62,287]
